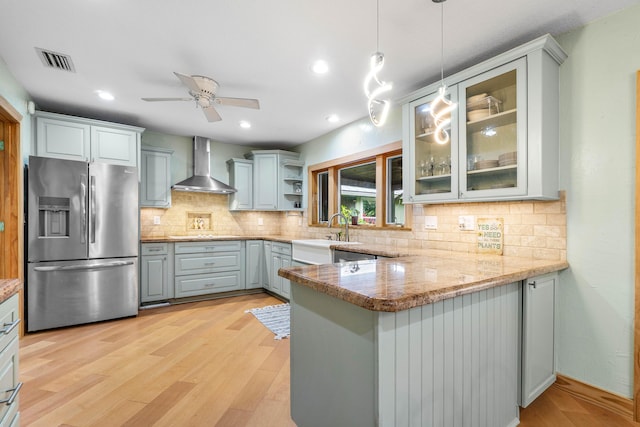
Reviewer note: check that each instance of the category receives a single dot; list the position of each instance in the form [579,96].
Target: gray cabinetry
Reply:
[156,272]
[241,178]
[503,134]
[280,258]
[254,264]
[76,138]
[267,269]
[9,374]
[538,358]
[155,171]
[277,180]
[208,267]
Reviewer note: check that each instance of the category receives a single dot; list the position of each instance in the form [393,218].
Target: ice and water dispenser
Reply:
[53,216]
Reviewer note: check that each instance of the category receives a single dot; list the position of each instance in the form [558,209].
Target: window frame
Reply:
[379,155]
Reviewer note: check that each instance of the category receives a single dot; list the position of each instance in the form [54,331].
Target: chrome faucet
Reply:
[346,224]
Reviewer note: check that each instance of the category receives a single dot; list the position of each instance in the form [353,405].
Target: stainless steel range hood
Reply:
[201,180]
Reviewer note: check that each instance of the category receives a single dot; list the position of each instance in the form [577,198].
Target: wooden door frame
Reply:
[13,253]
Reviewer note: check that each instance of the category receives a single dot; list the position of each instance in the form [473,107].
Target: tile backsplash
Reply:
[536,229]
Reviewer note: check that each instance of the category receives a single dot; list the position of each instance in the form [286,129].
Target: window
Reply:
[367,185]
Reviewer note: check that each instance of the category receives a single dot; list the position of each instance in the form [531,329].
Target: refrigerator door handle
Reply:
[92,211]
[83,266]
[83,208]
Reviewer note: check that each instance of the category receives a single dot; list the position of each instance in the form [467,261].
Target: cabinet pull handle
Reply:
[14,395]
[533,284]
[8,327]
[154,249]
[209,263]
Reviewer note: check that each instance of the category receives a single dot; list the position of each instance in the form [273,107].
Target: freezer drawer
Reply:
[75,292]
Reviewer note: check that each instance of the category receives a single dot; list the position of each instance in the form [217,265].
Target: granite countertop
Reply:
[8,288]
[420,277]
[212,238]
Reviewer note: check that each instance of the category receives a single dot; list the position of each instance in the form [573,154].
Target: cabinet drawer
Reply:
[8,321]
[9,381]
[196,247]
[154,249]
[206,263]
[281,248]
[201,284]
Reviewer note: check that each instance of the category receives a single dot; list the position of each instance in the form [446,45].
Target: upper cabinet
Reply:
[241,178]
[277,181]
[155,182]
[75,138]
[503,134]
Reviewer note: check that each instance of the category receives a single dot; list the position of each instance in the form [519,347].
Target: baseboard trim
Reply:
[596,396]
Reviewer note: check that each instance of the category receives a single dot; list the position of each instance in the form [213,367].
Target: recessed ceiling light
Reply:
[245,124]
[320,67]
[103,94]
[333,118]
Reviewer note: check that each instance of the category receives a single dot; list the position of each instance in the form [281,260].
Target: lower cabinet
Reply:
[9,407]
[538,357]
[280,257]
[267,271]
[254,266]
[208,267]
[156,272]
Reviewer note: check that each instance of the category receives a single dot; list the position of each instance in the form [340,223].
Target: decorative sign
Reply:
[490,235]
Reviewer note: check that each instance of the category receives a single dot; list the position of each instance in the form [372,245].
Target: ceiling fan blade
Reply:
[211,114]
[166,99]
[239,102]
[188,81]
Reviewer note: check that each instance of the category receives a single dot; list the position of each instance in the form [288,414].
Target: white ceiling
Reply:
[258,49]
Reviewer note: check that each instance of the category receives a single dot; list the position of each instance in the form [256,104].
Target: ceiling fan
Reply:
[203,91]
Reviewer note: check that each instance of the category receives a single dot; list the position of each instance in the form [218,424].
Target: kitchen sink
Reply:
[315,251]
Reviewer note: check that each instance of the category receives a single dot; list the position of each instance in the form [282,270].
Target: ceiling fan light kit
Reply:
[203,91]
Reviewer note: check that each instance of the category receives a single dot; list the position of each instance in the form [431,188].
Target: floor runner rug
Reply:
[275,318]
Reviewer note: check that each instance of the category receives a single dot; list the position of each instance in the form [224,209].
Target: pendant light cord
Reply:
[377,25]
[442,43]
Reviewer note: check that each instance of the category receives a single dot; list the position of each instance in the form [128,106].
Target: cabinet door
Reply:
[155,185]
[493,133]
[114,146]
[265,182]
[285,284]
[241,178]
[538,359]
[276,282]
[62,139]
[267,265]
[154,278]
[254,264]
[431,169]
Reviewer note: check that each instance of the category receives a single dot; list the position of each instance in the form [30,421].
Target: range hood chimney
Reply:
[201,180]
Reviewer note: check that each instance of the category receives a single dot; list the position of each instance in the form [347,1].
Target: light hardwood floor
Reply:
[198,364]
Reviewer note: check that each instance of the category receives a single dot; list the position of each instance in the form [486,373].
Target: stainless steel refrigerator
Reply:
[82,249]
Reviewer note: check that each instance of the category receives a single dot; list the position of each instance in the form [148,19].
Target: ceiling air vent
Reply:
[59,61]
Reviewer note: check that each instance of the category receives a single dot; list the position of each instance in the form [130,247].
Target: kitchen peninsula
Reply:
[434,338]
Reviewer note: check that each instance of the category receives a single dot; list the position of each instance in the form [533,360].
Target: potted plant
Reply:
[354,216]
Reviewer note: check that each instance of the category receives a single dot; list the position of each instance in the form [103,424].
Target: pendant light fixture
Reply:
[378,108]
[441,107]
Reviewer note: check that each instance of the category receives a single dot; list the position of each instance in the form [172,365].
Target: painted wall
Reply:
[13,92]
[597,157]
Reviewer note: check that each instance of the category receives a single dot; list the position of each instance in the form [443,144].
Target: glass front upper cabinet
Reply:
[493,133]
[434,174]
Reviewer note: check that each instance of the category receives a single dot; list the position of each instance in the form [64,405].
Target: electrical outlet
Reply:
[467,222]
[260,221]
[430,222]
[156,220]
